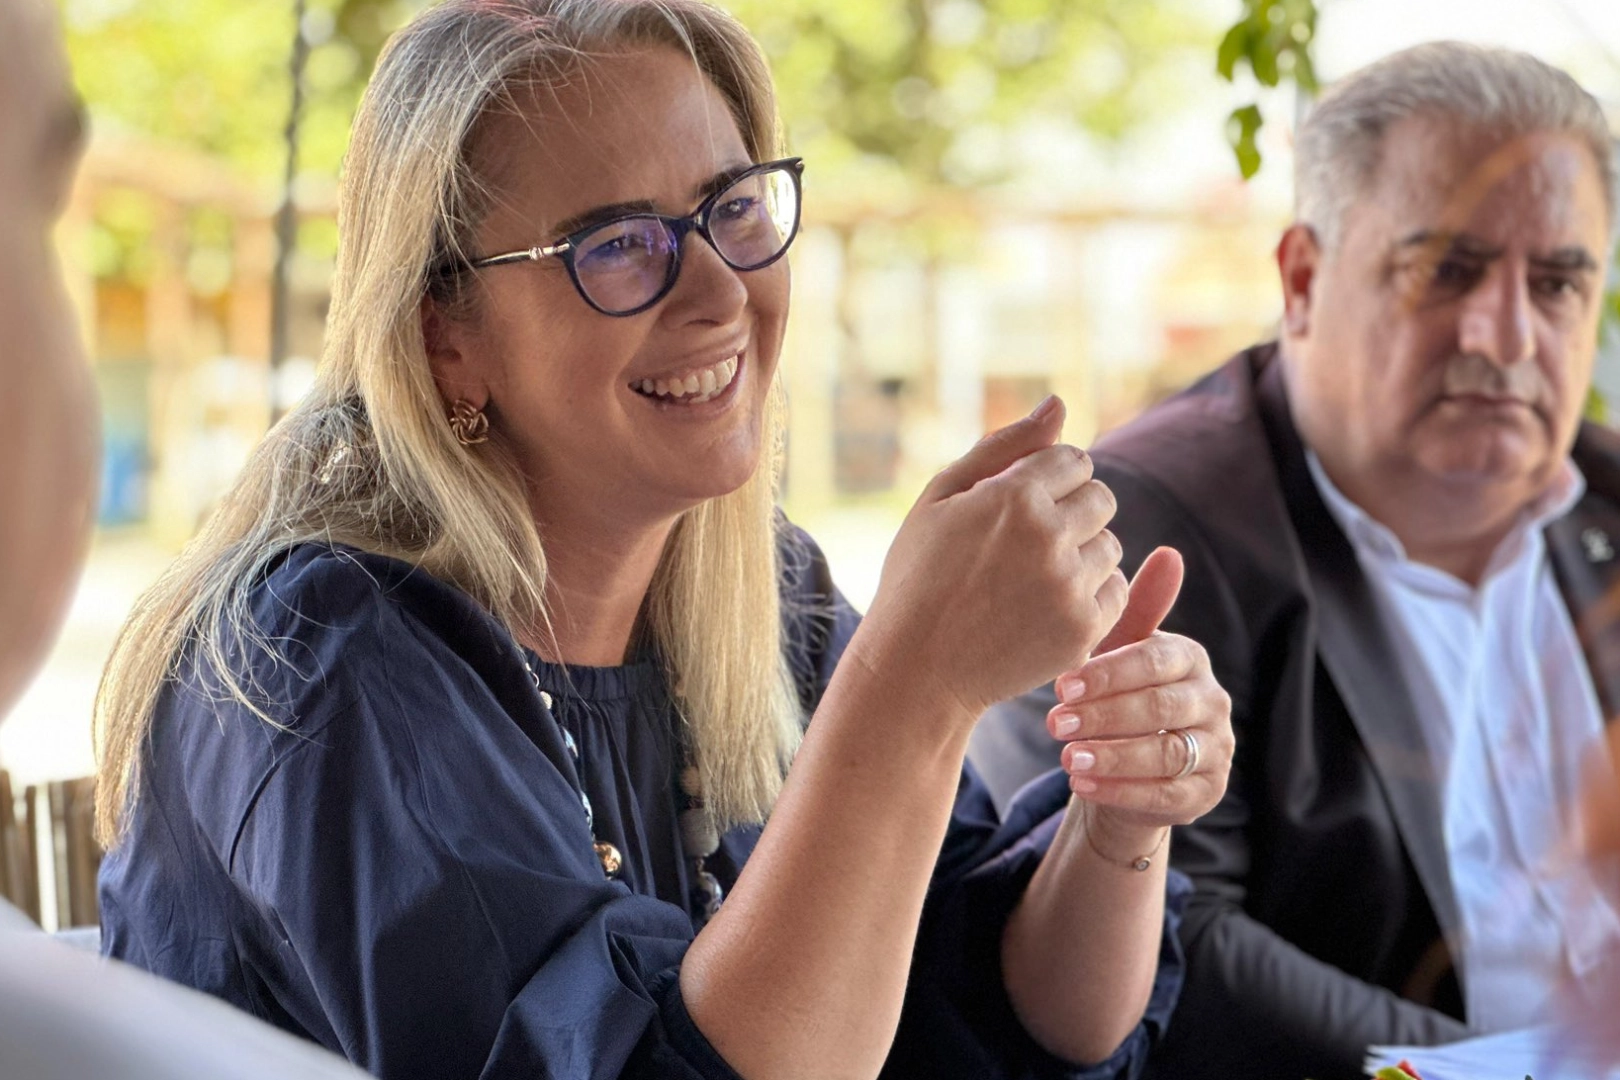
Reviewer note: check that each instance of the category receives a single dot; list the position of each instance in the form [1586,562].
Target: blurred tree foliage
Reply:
[212,75]
[929,87]
[935,88]
[903,103]
[1273,39]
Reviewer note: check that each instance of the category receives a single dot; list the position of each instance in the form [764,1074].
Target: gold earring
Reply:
[469,423]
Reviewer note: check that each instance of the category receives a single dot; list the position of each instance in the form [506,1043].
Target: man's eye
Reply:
[1452,273]
[1556,285]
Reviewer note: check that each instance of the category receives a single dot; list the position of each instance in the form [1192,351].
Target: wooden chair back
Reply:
[70,855]
[19,861]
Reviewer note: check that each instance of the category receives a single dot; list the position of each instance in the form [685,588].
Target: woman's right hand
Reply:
[1002,576]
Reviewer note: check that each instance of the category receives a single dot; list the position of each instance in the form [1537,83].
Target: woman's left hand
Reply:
[1130,715]
[1147,727]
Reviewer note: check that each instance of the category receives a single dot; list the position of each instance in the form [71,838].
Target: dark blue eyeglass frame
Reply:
[675,230]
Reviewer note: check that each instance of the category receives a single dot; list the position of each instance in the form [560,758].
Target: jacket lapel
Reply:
[1357,651]
[1584,548]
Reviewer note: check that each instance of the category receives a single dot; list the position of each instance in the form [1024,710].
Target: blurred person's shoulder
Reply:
[70,1014]
[13,921]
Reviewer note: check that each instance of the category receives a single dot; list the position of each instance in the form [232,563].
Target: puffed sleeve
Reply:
[958,1020]
[417,847]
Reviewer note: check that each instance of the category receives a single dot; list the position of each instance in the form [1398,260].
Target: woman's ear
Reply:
[444,340]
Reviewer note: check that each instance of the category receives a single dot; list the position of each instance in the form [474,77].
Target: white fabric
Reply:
[1508,712]
[67,1015]
[1553,1052]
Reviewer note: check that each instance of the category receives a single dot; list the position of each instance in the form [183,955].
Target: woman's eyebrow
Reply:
[607,212]
[720,179]
[598,214]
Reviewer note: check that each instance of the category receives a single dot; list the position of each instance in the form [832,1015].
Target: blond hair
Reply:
[368,459]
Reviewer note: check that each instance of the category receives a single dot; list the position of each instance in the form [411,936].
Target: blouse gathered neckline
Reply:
[631,679]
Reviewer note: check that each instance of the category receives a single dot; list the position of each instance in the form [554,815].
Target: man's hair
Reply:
[1338,148]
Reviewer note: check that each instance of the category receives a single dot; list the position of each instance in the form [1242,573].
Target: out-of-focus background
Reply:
[1005,198]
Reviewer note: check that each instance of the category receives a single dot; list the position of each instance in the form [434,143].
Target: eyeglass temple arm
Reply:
[533,254]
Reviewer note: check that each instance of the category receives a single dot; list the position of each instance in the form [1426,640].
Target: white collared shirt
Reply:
[1501,688]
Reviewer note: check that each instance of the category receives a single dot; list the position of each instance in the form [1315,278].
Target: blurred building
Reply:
[168,255]
[899,358]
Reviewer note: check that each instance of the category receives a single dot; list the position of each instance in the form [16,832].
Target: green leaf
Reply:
[1597,407]
[1233,46]
[1263,50]
[1241,128]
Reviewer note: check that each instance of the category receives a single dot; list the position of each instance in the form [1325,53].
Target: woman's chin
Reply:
[693,491]
[712,470]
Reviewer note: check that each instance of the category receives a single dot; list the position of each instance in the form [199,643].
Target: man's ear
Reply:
[1299,256]
[443,340]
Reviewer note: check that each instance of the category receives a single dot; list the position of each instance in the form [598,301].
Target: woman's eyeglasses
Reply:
[627,265]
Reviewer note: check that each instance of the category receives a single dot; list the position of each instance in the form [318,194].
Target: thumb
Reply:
[1153,593]
[999,449]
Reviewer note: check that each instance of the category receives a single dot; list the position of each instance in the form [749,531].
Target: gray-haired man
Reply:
[1401,556]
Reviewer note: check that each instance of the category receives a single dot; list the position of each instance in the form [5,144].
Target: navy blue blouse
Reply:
[405,875]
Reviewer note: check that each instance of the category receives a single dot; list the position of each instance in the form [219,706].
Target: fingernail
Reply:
[1044,409]
[1082,786]
[1066,725]
[1081,760]
[1071,690]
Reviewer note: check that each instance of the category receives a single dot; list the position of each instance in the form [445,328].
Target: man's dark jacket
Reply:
[1323,904]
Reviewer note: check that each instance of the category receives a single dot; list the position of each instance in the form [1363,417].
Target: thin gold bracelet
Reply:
[1140,864]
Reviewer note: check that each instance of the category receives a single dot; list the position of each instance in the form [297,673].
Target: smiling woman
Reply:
[499,671]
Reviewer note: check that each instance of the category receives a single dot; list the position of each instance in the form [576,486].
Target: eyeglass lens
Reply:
[626,263]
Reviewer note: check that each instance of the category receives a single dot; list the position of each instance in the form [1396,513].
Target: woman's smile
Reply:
[693,386]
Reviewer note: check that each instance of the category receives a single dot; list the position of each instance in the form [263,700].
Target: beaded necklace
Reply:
[699,839]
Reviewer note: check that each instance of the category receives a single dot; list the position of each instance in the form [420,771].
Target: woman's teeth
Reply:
[694,389]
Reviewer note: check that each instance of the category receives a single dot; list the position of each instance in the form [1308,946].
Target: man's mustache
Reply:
[1470,374]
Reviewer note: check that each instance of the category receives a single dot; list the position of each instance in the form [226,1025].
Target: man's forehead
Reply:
[1542,188]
